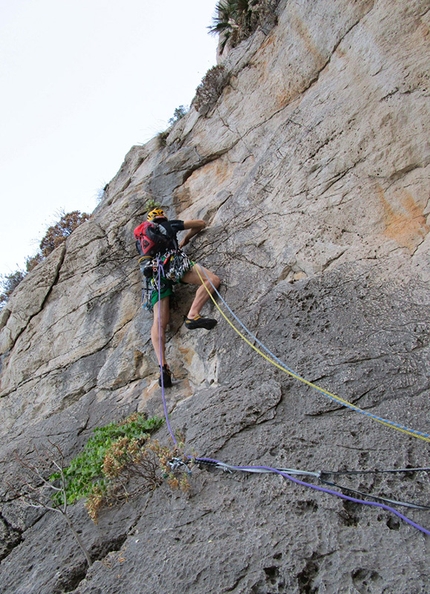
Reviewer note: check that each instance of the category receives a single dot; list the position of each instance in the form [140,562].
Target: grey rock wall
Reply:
[312,172]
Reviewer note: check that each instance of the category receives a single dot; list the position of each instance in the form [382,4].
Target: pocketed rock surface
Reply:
[311,170]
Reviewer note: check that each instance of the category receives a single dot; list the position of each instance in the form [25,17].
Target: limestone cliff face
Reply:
[312,173]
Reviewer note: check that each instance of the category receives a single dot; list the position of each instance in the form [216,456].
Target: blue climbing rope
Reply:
[160,271]
[271,358]
[286,473]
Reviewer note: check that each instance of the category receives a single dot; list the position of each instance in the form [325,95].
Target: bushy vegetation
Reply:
[60,231]
[151,204]
[235,20]
[55,235]
[178,114]
[117,463]
[9,284]
[100,472]
[210,88]
[133,466]
[85,474]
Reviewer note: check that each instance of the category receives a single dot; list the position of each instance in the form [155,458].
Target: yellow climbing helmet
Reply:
[156,213]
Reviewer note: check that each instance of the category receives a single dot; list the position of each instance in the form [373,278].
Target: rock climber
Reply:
[176,268]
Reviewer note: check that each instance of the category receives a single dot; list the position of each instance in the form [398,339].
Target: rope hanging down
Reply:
[271,358]
[286,473]
[160,271]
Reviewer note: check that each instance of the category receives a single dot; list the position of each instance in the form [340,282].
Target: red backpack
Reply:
[151,239]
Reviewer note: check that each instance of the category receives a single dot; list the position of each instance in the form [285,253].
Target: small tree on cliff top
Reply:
[54,236]
[58,233]
[9,282]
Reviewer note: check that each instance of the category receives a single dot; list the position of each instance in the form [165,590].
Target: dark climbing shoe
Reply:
[199,322]
[165,378]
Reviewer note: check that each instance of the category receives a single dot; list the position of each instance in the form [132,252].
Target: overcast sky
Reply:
[82,81]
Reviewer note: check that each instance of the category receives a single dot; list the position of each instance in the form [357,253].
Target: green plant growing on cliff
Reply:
[32,261]
[85,474]
[178,114]
[224,23]
[98,472]
[236,20]
[132,467]
[151,204]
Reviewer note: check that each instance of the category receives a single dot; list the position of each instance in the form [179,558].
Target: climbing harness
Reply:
[271,358]
[173,266]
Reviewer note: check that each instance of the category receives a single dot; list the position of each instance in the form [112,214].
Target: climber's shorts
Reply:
[165,291]
[175,265]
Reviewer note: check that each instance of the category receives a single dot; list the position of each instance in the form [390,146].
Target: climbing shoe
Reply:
[165,378]
[199,322]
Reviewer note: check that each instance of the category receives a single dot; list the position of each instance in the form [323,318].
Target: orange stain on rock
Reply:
[187,354]
[405,223]
[209,177]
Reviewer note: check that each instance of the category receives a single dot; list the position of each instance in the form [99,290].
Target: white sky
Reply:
[82,81]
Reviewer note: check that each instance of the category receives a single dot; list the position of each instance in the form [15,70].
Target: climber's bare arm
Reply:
[194,227]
